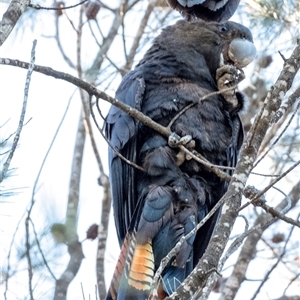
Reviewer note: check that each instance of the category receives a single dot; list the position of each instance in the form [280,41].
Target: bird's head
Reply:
[219,44]
[239,50]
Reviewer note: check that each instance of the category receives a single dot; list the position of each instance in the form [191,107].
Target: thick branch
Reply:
[76,256]
[102,234]
[11,17]
[74,246]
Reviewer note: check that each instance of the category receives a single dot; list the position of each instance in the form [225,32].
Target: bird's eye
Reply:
[223,28]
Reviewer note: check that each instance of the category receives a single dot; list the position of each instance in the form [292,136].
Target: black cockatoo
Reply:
[155,207]
[207,10]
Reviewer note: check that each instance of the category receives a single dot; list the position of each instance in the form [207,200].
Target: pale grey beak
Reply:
[241,52]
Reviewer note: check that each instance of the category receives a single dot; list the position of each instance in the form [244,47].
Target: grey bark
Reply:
[74,246]
[11,17]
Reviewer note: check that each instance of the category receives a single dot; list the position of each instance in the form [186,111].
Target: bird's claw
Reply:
[187,141]
[228,77]
[175,141]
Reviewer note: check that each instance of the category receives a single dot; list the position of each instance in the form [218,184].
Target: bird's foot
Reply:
[175,140]
[228,77]
[187,141]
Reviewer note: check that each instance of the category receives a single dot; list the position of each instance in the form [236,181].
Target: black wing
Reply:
[207,10]
[121,130]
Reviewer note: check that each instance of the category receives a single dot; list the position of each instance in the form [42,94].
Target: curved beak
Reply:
[241,52]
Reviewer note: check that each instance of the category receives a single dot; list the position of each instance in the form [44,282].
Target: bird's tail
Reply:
[134,271]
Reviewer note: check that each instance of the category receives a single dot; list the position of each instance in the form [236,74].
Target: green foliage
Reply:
[275,20]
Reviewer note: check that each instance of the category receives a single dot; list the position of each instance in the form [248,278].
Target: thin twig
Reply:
[279,215]
[176,248]
[122,13]
[265,175]
[92,73]
[202,160]
[9,254]
[96,292]
[40,249]
[108,142]
[258,195]
[82,291]
[3,142]
[27,235]
[57,38]
[288,104]
[37,6]
[278,138]
[256,125]
[21,121]
[193,104]
[251,192]
[27,253]
[139,34]
[273,267]
[129,7]
[237,242]
[98,27]
[70,21]
[296,277]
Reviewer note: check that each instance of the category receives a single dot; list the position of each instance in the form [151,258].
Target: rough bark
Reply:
[74,246]
[102,235]
[11,17]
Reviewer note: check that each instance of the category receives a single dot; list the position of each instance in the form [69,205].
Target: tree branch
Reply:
[10,18]
[288,104]
[93,91]
[92,73]
[21,121]
[74,246]
[141,29]
[102,234]
[273,267]
[37,6]
[248,250]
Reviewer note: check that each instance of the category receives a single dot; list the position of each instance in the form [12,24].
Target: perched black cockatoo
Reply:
[156,206]
[207,10]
